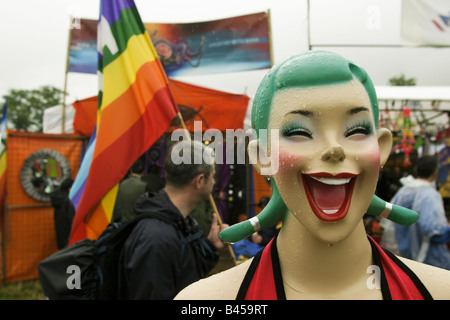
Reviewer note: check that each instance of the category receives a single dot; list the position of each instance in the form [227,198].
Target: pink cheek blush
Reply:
[288,161]
[372,158]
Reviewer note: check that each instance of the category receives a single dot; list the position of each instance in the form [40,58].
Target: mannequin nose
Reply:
[334,154]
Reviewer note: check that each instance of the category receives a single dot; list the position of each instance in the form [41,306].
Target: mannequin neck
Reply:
[316,269]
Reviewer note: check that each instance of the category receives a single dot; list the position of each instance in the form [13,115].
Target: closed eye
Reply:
[363,128]
[291,132]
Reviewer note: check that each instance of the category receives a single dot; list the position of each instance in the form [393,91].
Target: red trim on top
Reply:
[400,284]
[262,286]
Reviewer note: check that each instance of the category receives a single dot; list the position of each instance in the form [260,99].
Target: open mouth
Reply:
[329,196]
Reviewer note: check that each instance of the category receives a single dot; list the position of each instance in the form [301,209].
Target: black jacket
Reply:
[165,254]
[64,212]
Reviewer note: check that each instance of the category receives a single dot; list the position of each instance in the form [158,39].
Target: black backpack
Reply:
[89,269]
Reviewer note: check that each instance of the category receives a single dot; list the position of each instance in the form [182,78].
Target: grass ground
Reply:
[26,290]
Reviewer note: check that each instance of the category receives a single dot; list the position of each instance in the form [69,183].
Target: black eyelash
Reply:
[292,130]
[359,128]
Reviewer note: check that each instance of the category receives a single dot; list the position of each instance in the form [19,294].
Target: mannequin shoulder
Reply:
[221,286]
[436,280]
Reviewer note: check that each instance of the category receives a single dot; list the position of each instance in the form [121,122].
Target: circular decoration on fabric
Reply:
[42,173]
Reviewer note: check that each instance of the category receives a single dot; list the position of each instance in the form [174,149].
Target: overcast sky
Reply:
[34,35]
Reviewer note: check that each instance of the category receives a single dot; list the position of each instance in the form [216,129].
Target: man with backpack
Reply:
[168,252]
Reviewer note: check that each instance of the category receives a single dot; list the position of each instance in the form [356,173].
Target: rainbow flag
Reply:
[135,107]
[4,133]
[76,191]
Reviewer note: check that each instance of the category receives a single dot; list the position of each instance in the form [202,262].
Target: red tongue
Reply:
[327,197]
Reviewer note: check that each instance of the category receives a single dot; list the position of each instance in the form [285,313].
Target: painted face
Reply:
[329,156]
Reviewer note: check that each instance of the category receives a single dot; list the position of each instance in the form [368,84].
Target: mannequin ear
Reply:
[385,143]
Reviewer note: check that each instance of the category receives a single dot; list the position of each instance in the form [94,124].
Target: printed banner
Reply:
[83,47]
[226,45]
[426,22]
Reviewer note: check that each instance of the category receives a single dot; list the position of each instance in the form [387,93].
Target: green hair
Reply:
[312,68]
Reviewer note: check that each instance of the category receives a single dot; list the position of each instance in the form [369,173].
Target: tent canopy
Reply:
[413,93]
[53,119]
[218,109]
[215,109]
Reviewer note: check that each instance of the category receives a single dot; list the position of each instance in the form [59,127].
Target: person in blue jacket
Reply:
[425,241]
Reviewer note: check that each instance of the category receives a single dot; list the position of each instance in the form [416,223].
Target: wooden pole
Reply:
[211,199]
[219,219]
[308,22]
[270,38]
[63,124]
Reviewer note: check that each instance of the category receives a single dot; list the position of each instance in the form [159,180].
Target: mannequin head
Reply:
[329,154]
[329,150]
[326,111]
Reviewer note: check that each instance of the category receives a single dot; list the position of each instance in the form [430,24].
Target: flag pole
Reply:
[270,38]
[308,23]
[219,219]
[63,124]
[186,132]
[211,199]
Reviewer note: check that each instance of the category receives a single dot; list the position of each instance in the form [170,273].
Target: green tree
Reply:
[402,81]
[26,107]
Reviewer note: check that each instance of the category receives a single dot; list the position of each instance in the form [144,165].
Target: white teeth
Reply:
[329,211]
[332,181]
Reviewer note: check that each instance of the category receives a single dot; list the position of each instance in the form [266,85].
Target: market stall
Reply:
[418,117]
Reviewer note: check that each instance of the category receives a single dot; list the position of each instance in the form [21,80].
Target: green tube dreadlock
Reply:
[312,68]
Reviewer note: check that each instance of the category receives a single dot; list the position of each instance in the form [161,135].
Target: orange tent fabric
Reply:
[215,109]
[85,116]
[28,233]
